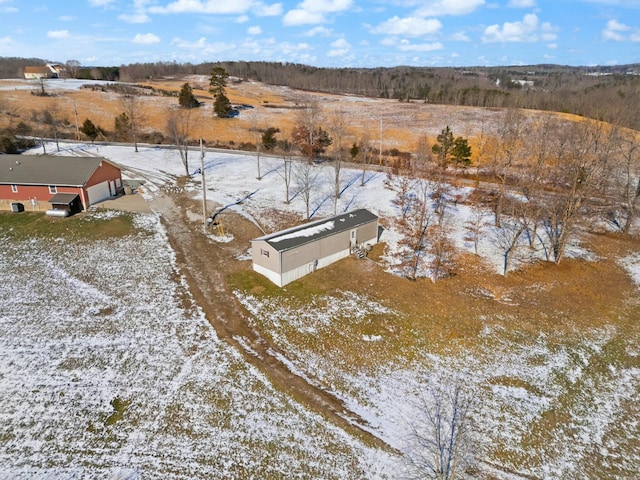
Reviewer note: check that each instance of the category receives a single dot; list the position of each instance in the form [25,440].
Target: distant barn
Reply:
[290,254]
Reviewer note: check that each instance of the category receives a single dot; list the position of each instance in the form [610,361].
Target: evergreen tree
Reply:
[443,146]
[90,130]
[218,81]
[354,151]
[461,152]
[269,138]
[186,99]
[218,84]
[222,106]
[122,126]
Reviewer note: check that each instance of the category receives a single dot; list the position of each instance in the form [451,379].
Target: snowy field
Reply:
[127,379]
[108,370]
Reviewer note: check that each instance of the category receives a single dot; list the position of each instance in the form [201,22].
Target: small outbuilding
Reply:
[69,202]
[290,254]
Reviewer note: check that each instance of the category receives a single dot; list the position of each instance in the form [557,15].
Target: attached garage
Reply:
[98,193]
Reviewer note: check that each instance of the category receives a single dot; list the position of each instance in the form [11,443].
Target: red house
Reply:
[34,180]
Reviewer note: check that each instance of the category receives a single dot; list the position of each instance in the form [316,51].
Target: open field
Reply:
[110,370]
[140,381]
[394,124]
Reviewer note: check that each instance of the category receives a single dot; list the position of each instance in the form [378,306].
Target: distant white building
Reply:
[524,83]
[43,71]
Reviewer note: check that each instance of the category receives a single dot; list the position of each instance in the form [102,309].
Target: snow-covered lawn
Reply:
[518,384]
[109,370]
[553,406]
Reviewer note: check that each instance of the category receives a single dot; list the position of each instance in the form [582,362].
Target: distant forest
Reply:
[609,93]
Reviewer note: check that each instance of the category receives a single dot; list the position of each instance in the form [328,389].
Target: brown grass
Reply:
[403,123]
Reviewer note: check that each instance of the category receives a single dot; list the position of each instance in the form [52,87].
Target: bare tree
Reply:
[71,67]
[509,144]
[286,152]
[417,222]
[531,181]
[402,184]
[308,134]
[442,442]
[484,144]
[178,126]
[338,132]
[442,252]
[132,107]
[582,153]
[365,149]
[627,146]
[306,177]
[508,237]
[476,225]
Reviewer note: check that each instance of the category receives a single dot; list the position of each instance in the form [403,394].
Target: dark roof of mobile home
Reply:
[47,169]
[310,232]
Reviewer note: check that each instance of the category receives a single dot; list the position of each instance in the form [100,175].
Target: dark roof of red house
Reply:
[47,170]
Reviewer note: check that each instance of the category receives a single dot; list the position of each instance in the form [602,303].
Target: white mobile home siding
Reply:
[291,254]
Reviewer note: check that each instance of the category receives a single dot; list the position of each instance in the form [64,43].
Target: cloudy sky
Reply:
[333,33]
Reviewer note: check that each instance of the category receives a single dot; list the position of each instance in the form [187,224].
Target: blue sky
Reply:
[328,33]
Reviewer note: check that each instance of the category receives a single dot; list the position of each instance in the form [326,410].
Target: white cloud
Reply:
[405,45]
[100,3]
[302,17]
[614,31]
[618,3]
[58,34]
[339,48]
[314,11]
[243,19]
[268,10]
[522,3]
[318,31]
[207,6]
[448,7]
[460,37]
[255,30]
[410,26]
[325,6]
[527,30]
[134,18]
[146,38]
[66,18]
[203,47]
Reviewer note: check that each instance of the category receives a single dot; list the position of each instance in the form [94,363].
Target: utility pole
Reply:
[204,189]
[75,112]
[380,154]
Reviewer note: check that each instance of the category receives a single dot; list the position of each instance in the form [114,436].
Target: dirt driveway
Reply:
[206,265]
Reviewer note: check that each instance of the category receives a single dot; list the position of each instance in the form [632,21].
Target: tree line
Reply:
[600,93]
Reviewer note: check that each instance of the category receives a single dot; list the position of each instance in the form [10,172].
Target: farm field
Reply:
[112,364]
[385,123]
